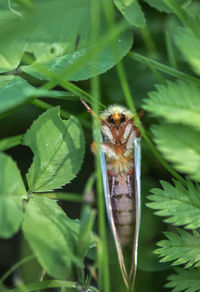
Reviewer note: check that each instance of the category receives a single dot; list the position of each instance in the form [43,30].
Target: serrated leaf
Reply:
[181,146]
[52,236]
[189,44]
[11,192]
[162,7]
[132,11]
[180,204]
[176,102]
[184,280]
[58,148]
[181,248]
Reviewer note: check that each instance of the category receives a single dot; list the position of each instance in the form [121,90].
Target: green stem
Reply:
[148,40]
[177,9]
[52,284]
[16,266]
[10,142]
[157,74]
[163,68]
[129,100]
[44,105]
[103,263]
[170,51]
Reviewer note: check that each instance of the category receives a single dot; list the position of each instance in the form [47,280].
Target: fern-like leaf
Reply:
[181,146]
[184,280]
[180,204]
[181,248]
[177,102]
[188,42]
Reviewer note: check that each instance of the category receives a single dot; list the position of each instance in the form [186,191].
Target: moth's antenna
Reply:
[88,108]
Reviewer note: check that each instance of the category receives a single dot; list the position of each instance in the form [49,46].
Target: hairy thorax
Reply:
[121,162]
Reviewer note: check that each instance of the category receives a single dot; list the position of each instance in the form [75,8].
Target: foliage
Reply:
[179,204]
[51,53]
[181,248]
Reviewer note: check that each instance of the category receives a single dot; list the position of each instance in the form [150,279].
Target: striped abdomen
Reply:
[123,207]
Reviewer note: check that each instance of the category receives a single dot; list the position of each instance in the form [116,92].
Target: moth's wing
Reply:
[137,185]
[111,217]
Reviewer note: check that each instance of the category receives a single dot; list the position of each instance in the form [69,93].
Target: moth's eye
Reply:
[123,118]
[103,123]
[110,119]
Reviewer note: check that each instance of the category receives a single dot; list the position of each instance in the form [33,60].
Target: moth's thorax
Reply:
[117,126]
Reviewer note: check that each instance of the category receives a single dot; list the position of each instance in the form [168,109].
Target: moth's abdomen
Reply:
[123,209]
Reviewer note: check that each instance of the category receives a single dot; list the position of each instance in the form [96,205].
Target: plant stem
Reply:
[163,68]
[52,284]
[177,9]
[103,263]
[10,142]
[16,266]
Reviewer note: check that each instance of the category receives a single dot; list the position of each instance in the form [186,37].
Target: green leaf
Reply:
[58,148]
[11,49]
[52,236]
[131,11]
[162,7]
[11,192]
[5,79]
[99,64]
[181,248]
[181,146]
[189,44]
[184,280]
[14,94]
[176,102]
[181,205]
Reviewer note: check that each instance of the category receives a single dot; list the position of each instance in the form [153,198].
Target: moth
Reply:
[120,156]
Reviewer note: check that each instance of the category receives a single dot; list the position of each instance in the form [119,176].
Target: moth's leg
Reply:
[113,186]
[127,132]
[129,184]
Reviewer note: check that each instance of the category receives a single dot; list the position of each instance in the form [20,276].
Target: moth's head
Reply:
[116,115]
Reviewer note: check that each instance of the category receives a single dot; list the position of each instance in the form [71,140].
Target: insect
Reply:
[120,156]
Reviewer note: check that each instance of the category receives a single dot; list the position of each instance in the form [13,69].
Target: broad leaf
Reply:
[184,280]
[181,146]
[181,205]
[161,6]
[98,64]
[177,102]
[189,44]
[68,41]
[12,48]
[14,94]
[58,148]
[52,236]
[132,11]
[11,192]
[181,248]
